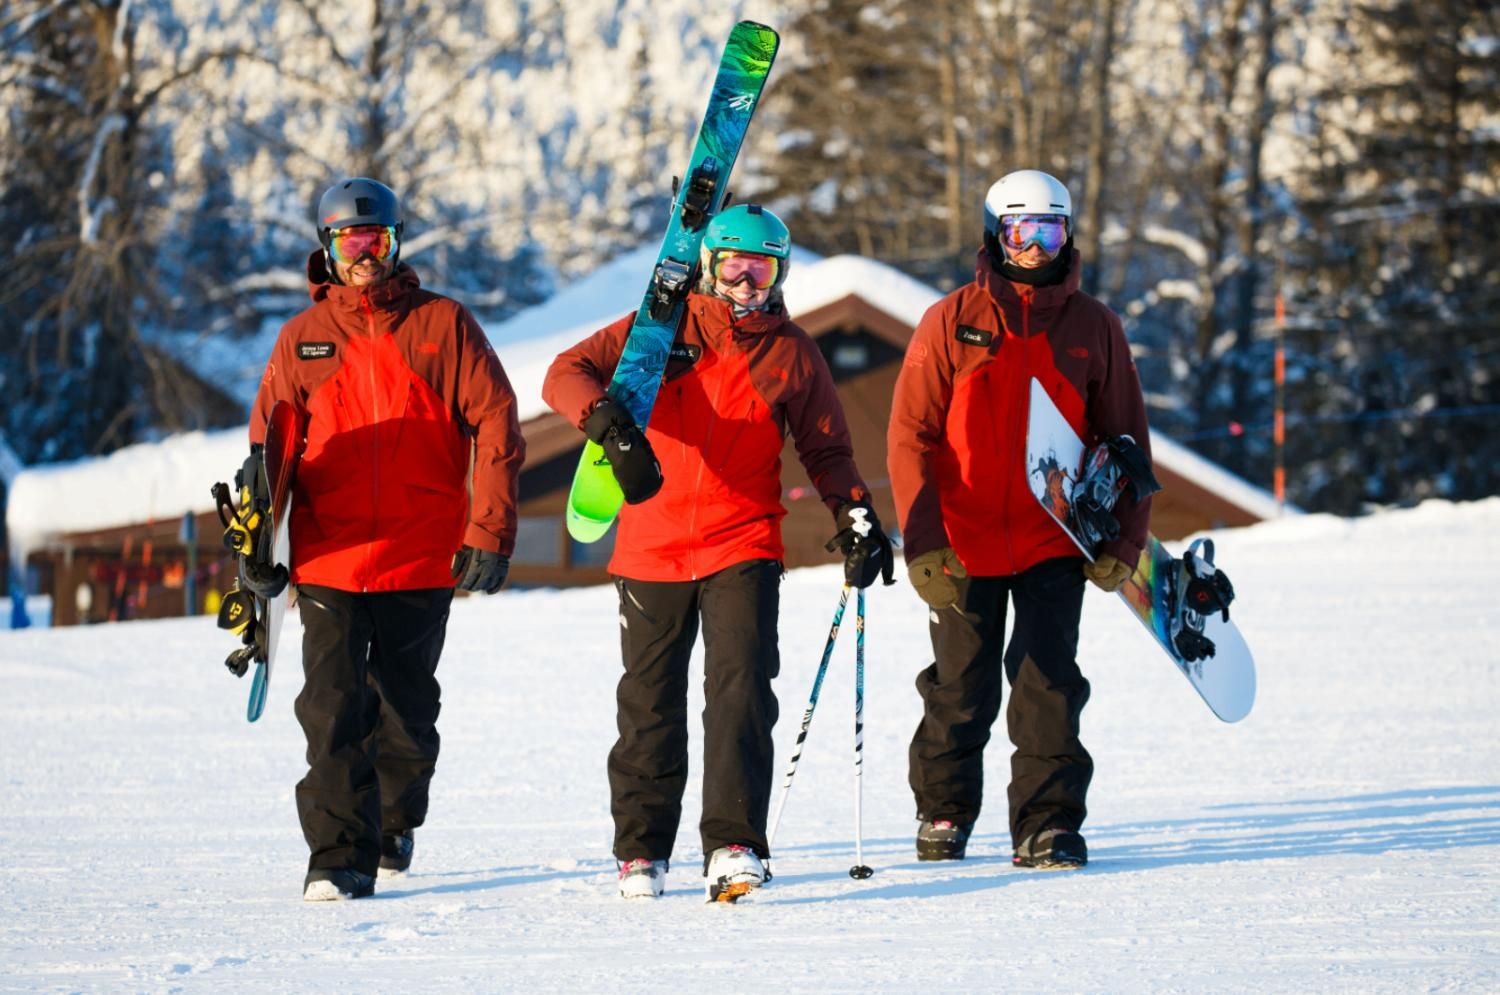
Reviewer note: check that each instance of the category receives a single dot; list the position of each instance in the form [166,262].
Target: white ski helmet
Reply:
[1026,191]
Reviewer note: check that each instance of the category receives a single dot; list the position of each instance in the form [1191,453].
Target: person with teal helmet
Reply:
[745,256]
[698,544]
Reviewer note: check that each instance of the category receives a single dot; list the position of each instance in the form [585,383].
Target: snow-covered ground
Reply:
[1345,837]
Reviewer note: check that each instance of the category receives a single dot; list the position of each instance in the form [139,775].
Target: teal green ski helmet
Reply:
[748,228]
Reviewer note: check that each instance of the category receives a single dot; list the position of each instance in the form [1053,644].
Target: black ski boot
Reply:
[395,853]
[1052,850]
[942,839]
[336,885]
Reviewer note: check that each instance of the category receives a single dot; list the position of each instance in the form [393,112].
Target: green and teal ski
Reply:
[595,498]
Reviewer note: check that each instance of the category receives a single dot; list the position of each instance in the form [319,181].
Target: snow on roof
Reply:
[1215,479]
[529,341]
[151,481]
[168,478]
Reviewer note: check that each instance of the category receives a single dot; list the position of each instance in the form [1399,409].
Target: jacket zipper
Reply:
[369,310]
[1018,432]
[708,438]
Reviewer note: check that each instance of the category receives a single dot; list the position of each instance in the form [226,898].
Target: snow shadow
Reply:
[1423,819]
[1420,820]
[480,880]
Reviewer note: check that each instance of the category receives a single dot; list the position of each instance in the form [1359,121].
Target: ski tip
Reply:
[586,529]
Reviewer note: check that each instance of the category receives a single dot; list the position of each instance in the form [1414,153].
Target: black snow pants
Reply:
[1049,770]
[369,708]
[648,767]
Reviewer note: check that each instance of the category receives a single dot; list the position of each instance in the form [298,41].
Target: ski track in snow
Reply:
[1344,837]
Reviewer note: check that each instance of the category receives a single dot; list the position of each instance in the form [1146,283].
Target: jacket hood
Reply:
[321,285]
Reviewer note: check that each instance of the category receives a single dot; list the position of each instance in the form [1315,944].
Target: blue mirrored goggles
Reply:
[1021,231]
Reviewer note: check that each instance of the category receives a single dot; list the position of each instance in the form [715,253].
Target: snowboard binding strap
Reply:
[1108,468]
[237,615]
[1198,590]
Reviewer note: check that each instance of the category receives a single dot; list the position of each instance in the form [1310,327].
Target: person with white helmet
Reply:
[977,542]
[699,542]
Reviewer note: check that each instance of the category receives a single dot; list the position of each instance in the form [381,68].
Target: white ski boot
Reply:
[733,871]
[642,878]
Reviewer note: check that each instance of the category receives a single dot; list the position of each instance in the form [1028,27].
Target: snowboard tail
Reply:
[595,497]
[1077,487]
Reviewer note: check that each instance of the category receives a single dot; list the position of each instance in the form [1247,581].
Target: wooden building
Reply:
[861,314]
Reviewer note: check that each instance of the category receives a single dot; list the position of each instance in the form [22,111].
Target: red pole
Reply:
[1279,432]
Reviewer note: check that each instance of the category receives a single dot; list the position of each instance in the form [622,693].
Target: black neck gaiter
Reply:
[1049,275]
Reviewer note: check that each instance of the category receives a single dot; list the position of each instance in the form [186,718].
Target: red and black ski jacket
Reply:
[733,389]
[398,392]
[957,439]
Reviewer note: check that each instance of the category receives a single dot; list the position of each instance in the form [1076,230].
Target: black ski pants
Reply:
[1049,769]
[369,708]
[648,767]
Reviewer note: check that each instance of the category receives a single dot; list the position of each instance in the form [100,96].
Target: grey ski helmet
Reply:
[358,200]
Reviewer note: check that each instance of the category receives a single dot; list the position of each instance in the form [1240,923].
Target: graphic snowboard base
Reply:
[1054,464]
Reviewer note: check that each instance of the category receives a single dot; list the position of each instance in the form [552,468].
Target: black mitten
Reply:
[625,446]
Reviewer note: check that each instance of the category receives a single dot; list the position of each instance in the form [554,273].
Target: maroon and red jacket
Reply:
[733,389]
[957,440]
[395,387]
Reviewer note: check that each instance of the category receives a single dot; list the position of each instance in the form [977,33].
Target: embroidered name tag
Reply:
[973,336]
[314,350]
[684,353]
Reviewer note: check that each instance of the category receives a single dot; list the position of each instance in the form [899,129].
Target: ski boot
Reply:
[942,839]
[336,885]
[642,878]
[732,872]
[395,854]
[1052,850]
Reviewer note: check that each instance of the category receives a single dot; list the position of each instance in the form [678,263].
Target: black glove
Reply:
[480,569]
[630,457]
[867,551]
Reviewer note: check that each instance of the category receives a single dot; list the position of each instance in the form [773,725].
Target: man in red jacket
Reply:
[976,539]
[398,394]
[703,542]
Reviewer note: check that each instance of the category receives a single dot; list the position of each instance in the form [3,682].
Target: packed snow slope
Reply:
[1343,838]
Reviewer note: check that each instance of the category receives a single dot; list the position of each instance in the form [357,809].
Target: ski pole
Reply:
[812,703]
[860,870]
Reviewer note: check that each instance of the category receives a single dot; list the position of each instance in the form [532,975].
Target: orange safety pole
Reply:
[140,591]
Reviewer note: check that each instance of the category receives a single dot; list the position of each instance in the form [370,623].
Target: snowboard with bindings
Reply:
[595,498]
[258,531]
[1182,601]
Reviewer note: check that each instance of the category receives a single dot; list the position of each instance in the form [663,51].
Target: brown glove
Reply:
[932,574]
[1108,572]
